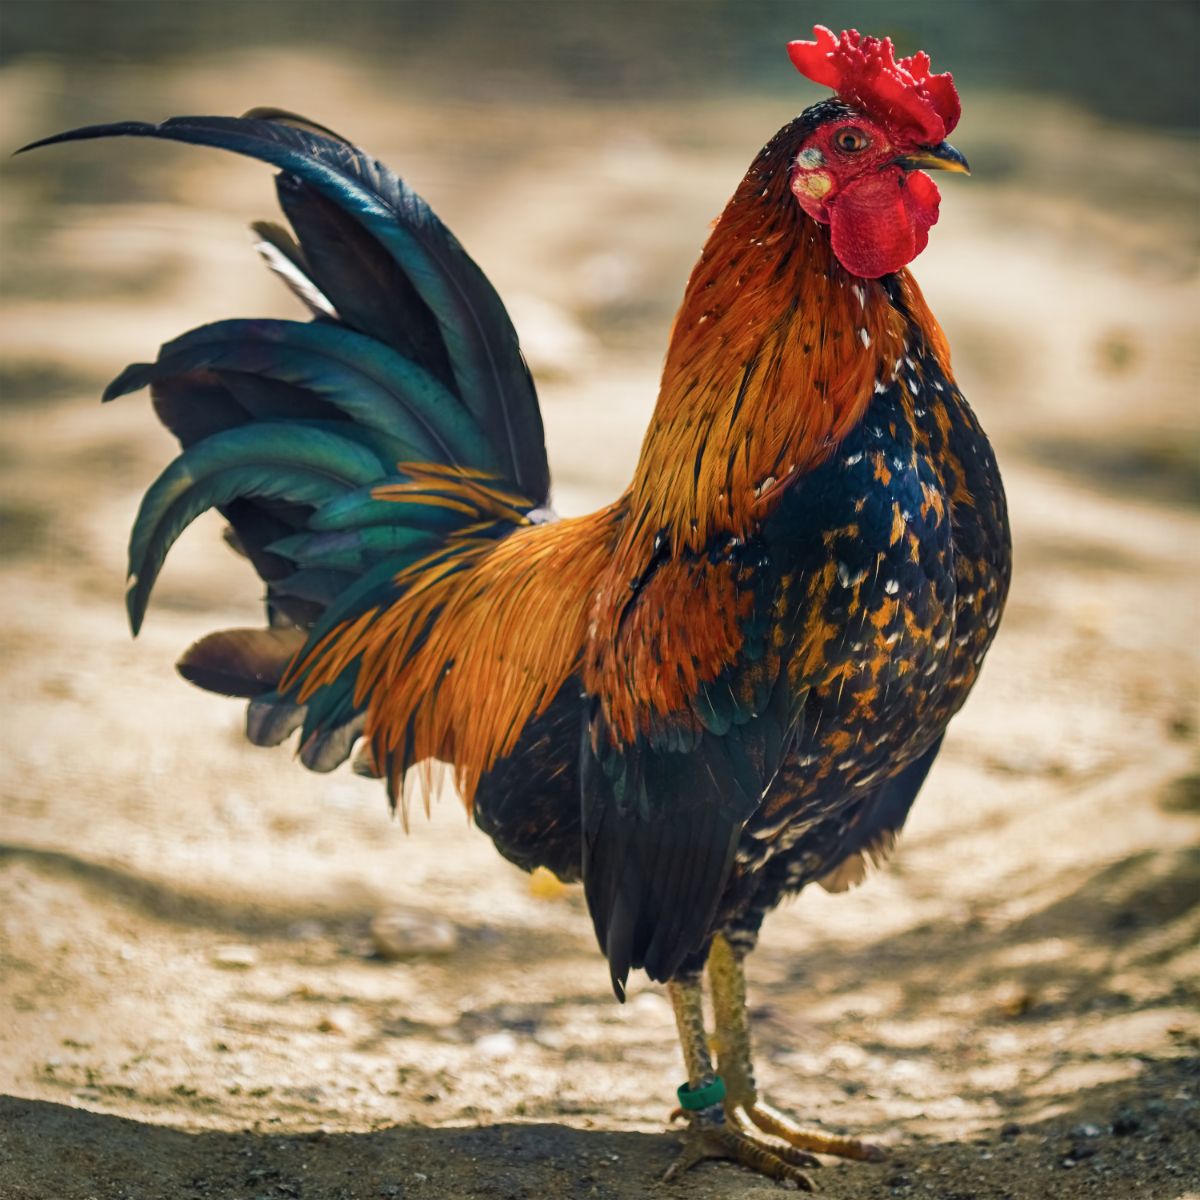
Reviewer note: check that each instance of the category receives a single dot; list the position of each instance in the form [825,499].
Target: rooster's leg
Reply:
[709,1135]
[743,1109]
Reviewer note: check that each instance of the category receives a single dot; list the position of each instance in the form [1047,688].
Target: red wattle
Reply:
[881,222]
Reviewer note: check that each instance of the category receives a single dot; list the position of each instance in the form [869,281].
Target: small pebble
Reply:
[402,933]
[496,1045]
[235,957]
[335,1022]
[1125,1122]
[650,1004]
[306,931]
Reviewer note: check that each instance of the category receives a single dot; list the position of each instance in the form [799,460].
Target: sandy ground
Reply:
[191,1002]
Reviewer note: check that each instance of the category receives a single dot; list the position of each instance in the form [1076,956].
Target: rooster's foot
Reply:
[775,1159]
[743,1109]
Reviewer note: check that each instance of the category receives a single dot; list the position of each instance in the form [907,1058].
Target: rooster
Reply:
[727,684]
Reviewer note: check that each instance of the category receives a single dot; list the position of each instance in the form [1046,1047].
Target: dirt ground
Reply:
[191,1000]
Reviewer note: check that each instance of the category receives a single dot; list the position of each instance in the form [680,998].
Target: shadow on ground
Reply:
[1121,1137]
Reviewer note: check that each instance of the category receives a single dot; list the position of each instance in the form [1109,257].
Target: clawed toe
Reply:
[743,1121]
[770,1120]
[705,1141]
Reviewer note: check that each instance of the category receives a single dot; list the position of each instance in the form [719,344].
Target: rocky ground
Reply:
[194,1004]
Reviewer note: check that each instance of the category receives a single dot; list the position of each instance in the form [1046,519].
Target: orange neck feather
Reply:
[772,361]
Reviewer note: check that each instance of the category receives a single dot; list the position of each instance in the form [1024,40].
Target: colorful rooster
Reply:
[730,682]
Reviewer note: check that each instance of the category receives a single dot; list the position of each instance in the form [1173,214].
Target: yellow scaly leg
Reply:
[743,1109]
[709,1135]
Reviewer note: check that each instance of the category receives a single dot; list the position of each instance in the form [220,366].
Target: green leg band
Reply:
[705,1097]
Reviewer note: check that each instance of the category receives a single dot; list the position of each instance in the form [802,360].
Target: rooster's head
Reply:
[861,168]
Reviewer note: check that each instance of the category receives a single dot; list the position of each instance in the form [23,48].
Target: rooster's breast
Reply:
[894,562]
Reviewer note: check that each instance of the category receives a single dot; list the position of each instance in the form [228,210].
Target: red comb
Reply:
[903,96]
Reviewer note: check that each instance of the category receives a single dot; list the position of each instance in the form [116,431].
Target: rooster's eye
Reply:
[851,140]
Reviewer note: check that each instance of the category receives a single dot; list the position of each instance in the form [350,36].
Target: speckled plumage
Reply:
[889,565]
[729,682]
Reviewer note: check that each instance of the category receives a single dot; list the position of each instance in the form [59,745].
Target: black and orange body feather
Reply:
[781,605]
[728,683]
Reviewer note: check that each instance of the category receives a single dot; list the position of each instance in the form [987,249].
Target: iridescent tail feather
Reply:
[381,449]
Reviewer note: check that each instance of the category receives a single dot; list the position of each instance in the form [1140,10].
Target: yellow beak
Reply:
[935,158]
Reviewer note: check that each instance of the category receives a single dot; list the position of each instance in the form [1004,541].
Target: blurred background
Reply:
[197,936]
